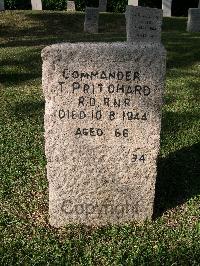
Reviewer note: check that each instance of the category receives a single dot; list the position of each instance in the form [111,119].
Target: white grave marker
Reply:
[36,4]
[71,6]
[133,2]
[167,7]
[2,7]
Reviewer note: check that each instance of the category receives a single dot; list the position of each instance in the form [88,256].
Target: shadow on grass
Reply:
[183,49]
[44,28]
[178,179]
[21,67]
[29,109]
[17,78]
[174,122]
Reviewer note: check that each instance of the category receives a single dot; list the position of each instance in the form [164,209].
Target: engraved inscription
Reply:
[102,95]
[143,24]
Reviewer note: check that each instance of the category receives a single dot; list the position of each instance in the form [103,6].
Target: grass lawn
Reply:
[173,237]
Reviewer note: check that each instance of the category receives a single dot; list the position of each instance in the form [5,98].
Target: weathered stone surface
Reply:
[133,2]
[167,7]
[2,5]
[91,23]
[102,130]
[71,6]
[36,4]
[193,24]
[143,24]
[102,5]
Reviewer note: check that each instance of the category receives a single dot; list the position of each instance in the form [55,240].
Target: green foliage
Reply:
[10,4]
[17,4]
[179,7]
[112,6]
[80,5]
[54,5]
[117,6]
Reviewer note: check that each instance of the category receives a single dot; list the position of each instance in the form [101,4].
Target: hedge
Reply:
[113,5]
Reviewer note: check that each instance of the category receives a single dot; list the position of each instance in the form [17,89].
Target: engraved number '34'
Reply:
[136,157]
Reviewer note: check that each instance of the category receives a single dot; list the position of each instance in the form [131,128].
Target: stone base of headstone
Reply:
[91,24]
[167,7]
[2,7]
[193,24]
[102,130]
[133,2]
[102,5]
[36,4]
[71,6]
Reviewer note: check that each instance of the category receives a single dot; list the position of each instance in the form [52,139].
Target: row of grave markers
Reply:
[37,5]
[92,19]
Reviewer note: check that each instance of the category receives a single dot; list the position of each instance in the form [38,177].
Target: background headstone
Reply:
[199,4]
[133,2]
[36,4]
[91,23]
[102,130]
[167,7]
[102,5]
[193,24]
[2,5]
[71,6]
[143,24]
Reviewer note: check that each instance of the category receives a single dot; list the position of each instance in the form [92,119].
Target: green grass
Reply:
[173,237]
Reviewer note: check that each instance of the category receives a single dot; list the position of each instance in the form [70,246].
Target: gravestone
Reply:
[199,4]
[167,7]
[143,24]
[102,129]
[102,5]
[91,23]
[193,24]
[71,6]
[2,5]
[133,2]
[36,4]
